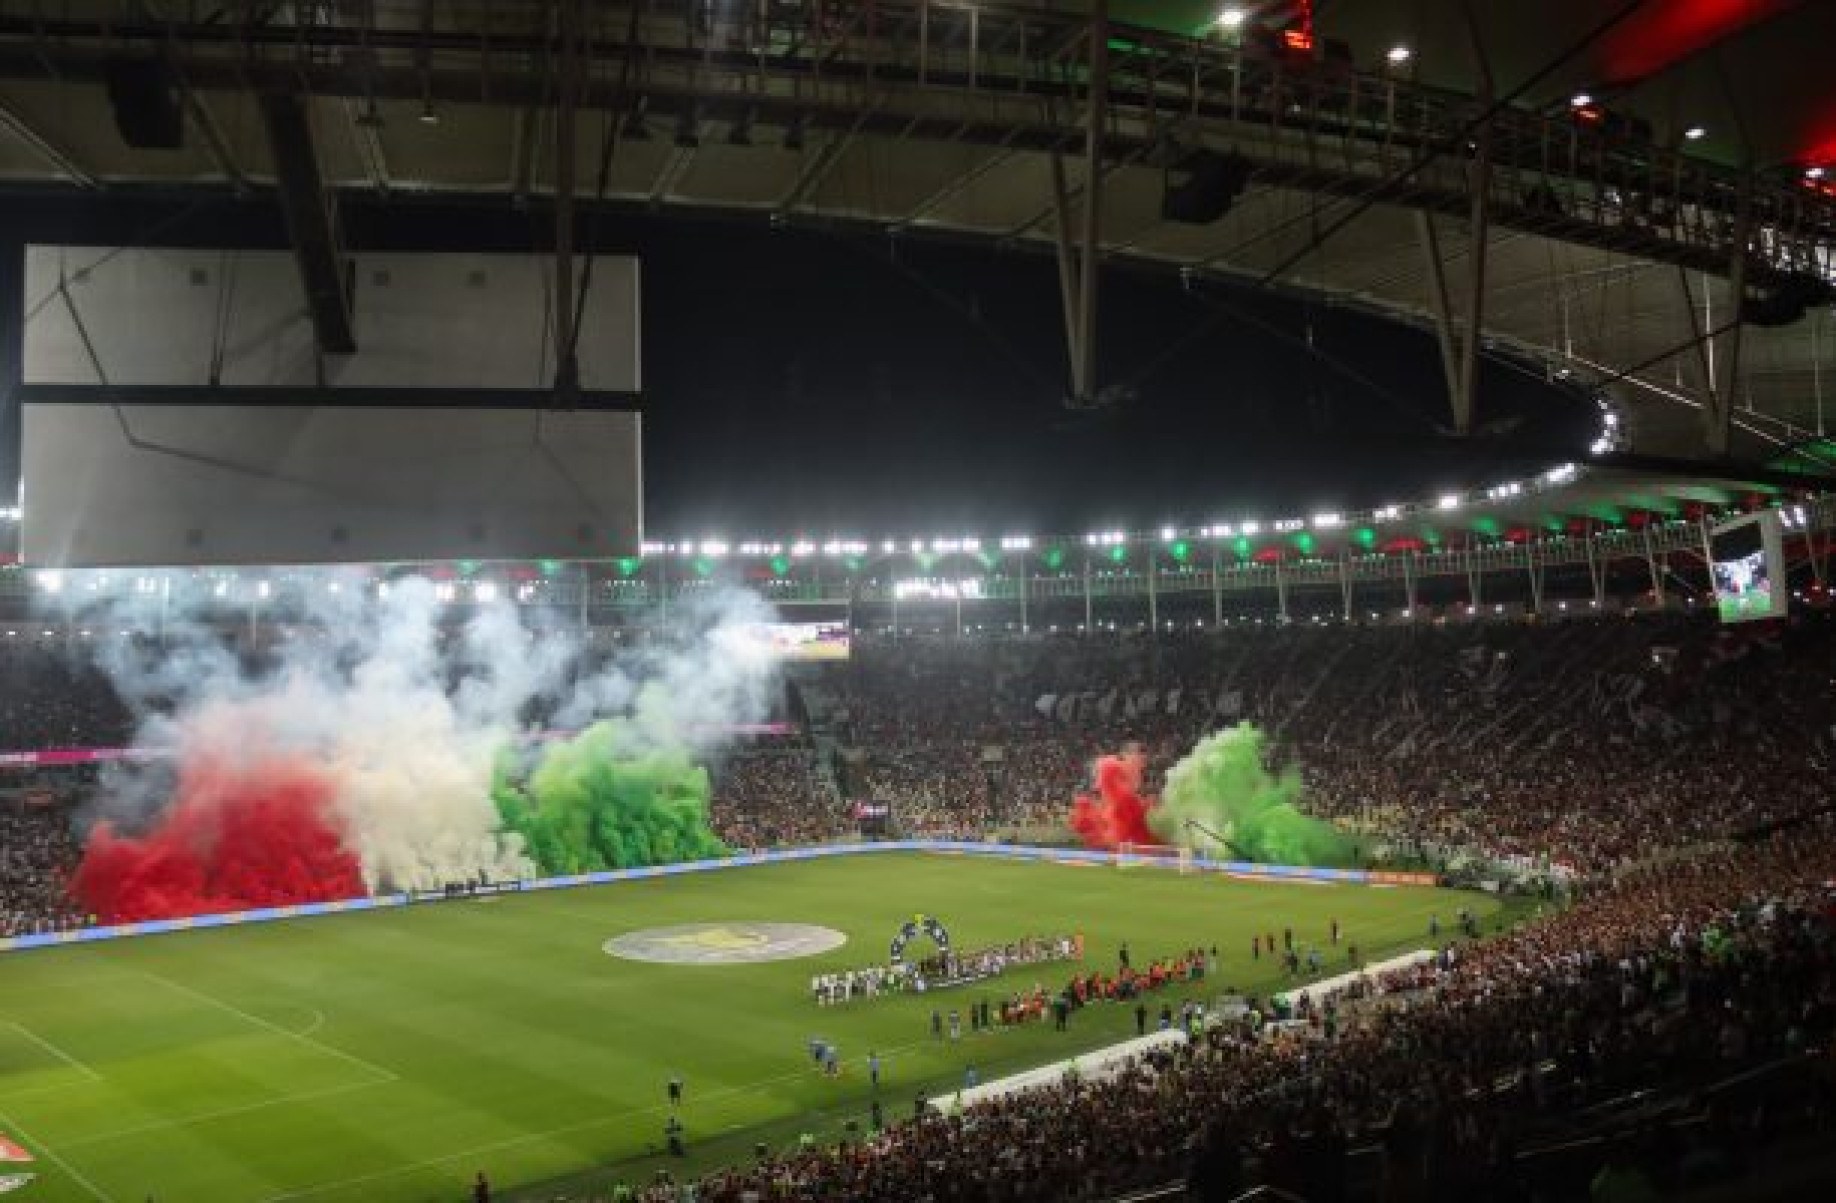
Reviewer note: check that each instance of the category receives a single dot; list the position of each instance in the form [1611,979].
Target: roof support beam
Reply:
[1718,414]
[567,104]
[958,185]
[1446,329]
[1479,222]
[1078,275]
[312,224]
[46,149]
[1699,343]
[818,168]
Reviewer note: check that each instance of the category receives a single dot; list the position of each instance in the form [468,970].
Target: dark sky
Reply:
[852,384]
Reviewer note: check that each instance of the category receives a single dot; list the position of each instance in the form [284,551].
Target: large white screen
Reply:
[203,484]
[136,316]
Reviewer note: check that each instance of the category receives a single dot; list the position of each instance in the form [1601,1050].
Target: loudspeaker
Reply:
[144,93]
[1212,184]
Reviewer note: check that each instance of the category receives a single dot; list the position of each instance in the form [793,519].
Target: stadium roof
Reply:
[1607,228]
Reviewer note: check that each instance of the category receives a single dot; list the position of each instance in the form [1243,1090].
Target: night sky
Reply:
[823,383]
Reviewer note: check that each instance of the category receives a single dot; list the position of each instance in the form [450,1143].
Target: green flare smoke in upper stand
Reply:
[602,800]
[1223,785]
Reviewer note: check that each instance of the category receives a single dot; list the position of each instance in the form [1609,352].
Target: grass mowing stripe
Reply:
[568,1130]
[55,1051]
[13,1125]
[512,1038]
[186,1121]
[382,1075]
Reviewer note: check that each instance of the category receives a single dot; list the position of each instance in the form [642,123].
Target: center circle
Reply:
[742,943]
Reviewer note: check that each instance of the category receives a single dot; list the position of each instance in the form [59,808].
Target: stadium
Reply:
[908,600]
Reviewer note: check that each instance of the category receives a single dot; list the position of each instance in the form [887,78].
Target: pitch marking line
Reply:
[13,1125]
[185,1121]
[569,1130]
[370,1067]
[55,1051]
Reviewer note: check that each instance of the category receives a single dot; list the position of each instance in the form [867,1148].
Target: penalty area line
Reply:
[75,1175]
[186,1121]
[613,1118]
[55,1051]
[370,1067]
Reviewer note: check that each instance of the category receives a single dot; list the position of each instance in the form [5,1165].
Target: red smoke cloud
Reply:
[1116,813]
[234,839]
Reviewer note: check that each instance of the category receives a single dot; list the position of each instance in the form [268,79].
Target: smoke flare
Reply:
[357,753]
[1115,813]
[236,838]
[1223,786]
[601,800]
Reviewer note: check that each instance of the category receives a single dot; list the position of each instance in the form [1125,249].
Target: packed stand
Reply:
[763,798]
[1562,750]
[37,854]
[1681,978]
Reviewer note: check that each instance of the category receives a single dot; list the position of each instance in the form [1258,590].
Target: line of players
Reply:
[831,989]
[1126,984]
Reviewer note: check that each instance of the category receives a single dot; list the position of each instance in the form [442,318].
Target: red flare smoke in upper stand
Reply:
[234,839]
[1116,813]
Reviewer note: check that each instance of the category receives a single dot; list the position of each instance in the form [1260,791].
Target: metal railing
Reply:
[1005,76]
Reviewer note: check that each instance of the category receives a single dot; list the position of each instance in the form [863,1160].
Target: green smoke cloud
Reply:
[603,800]
[1223,785]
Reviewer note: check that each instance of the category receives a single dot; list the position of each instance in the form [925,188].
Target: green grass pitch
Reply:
[389,1056]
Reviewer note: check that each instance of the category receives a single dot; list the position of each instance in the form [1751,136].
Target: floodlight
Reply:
[1398,55]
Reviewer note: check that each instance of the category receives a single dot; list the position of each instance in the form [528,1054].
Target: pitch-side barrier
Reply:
[1098,1065]
[1072,856]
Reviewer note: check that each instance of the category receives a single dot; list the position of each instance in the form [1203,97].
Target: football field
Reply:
[389,1056]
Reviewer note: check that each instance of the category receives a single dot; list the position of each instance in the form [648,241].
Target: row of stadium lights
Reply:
[943,545]
[1197,624]
[52,581]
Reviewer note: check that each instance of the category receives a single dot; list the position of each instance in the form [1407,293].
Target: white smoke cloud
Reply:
[406,717]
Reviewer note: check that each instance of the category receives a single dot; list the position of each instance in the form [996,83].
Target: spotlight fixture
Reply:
[1399,55]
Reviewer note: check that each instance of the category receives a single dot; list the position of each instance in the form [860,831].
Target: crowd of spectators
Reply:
[1579,748]
[1570,748]
[1565,749]
[51,698]
[1669,980]
[769,796]
[37,853]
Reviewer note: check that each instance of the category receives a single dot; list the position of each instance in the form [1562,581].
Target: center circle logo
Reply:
[724,943]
